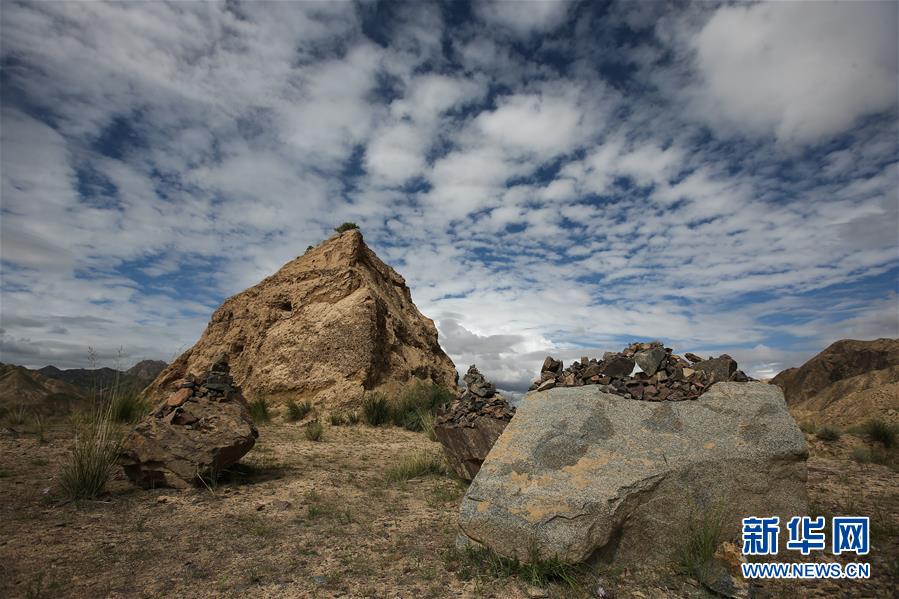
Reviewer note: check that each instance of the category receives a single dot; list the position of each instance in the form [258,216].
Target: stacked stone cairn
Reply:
[203,427]
[470,426]
[665,376]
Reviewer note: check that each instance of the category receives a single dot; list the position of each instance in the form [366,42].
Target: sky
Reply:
[550,177]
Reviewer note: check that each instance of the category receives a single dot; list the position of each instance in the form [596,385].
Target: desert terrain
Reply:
[301,518]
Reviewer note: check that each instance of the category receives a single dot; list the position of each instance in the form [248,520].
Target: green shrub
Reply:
[415,465]
[700,543]
[415,401]
[353,418]
[375,409]
[337,419]
[259,410]
[826,433]
[128,407]
[314,430]
[878,431]
[347,226]
[297,411]
[92,460]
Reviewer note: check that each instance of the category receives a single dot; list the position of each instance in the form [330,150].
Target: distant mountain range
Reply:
[58,389]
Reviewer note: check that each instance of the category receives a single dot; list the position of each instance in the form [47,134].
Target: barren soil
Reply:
[320,519]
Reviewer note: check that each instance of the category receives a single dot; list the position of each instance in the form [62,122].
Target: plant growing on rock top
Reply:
[347,226]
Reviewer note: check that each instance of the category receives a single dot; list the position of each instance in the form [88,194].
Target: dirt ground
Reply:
[320,519]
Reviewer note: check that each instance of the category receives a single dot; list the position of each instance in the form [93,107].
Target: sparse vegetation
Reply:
[829,434]
[427,425]
[418,400]
[17,416]
[297,411]
[337,419]
[353,418]
[259,410]
[314,431]
[40,426]
[127,406]
[864,455]
[878,431]
[472,561]
[375,409]
[808,427]
[86,470]
[415,465]
[347,226]
[700,542]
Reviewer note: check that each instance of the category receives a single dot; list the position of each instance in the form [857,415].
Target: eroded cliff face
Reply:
[328,326]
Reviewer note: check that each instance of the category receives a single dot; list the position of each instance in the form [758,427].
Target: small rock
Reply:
[546,385]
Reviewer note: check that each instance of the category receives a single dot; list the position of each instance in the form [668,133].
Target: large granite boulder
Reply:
[200,429]
[472,424]
[579,472]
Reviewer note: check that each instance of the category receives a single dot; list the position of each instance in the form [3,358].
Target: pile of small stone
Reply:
[665,376]
[217,386]
[479,399]
[203,427]
[472,424]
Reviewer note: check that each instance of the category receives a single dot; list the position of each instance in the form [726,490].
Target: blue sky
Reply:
[550,177]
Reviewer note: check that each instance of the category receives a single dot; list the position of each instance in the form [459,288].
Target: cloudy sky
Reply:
[550,177]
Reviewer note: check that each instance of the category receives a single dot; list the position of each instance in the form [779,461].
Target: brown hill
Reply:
[841,360]
[147,370]
[20,386]
[328,326]
[851,401]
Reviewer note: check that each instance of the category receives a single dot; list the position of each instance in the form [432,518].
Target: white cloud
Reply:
[800,71]
[524,18]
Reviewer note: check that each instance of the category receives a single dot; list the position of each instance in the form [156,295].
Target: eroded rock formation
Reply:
[327,327]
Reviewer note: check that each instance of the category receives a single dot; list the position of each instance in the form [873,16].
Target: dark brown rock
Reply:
[618,366]
[718,369]
[472,424]
[195,433]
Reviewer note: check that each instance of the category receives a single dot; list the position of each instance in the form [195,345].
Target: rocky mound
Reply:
[841,360]
[579,471]
[202,428]
[663,376]
[472,424]
[327,327]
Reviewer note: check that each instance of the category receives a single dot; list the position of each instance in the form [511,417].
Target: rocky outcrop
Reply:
[203,427]
[662,375]
[327,327]
[580,472]
[472,424]
[841,360]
